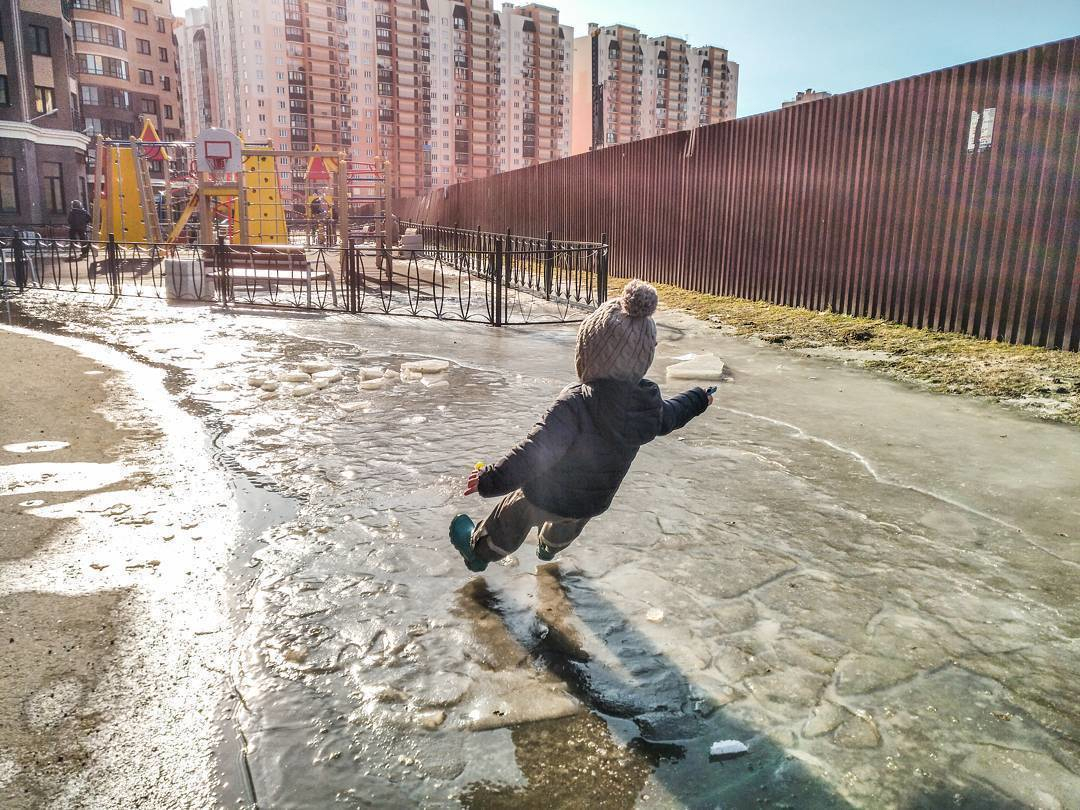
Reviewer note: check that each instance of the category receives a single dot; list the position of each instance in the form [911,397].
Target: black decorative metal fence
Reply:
[442,273]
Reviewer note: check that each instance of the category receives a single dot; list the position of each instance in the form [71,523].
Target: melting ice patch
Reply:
[16,479]
[35,447]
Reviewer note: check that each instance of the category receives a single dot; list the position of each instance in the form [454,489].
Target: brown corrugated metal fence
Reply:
[949,201]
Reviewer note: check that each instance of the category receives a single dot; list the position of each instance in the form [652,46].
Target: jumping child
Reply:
[569,467]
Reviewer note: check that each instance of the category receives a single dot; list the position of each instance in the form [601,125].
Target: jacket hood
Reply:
[629,413]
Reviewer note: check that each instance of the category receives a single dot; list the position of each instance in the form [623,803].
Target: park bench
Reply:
[272,267]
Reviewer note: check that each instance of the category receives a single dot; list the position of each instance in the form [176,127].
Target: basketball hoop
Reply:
[218,152]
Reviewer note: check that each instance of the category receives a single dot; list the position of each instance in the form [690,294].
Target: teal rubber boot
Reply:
[461,530]
[544,553]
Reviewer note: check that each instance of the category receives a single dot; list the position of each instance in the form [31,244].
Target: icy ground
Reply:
[873,587]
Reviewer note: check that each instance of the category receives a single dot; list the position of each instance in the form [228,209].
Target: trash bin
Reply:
[186,280]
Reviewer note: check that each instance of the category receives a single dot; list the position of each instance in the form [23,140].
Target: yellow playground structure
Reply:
[216,187]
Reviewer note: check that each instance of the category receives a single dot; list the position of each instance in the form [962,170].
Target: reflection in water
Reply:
[633,744]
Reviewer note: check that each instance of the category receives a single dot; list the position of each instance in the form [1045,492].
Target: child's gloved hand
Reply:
[709,393]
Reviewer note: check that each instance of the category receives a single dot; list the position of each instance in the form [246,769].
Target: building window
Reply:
[43,100]
[143,46]
[163,54]
[168,112]
[53,174]
[149,106]
[5,99]
[146,76]
[166,84]
[111,7]
[39,41]
[161,25]
[100,34]
[9,203]
[141,16]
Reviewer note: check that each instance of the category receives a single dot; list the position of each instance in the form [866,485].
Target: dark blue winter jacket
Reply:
[574,459]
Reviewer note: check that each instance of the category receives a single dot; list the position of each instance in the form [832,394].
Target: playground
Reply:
[238,225]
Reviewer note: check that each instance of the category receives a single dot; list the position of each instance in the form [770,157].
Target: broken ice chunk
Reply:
[727,749]
[435,381]
[320,384]
[371,385]
[349,407]
[312,366]
[296,377]
[390,373]
[303,390]
[701,367]
[411,376]
[430,366]
[655,615]
[270,385]
[331,375]
[255,382]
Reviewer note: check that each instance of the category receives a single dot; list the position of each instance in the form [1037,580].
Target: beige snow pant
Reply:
[509,523]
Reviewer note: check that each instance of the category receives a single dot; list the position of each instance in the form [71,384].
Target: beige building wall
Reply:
[197,68]
[581,114]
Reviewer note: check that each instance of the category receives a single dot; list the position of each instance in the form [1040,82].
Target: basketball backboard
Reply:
[218,150]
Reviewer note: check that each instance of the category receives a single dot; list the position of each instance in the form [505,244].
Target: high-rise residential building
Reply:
[283,74]
[42,148]
[197,68]
[128,68]
[437,88]
[535,75]
[628,86]
[806,96]
[714,86]
[443,90]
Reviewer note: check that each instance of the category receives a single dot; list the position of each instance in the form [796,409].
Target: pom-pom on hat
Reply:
[618,341]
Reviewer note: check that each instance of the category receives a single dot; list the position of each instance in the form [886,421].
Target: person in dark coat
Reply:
[571,464]
[78,221]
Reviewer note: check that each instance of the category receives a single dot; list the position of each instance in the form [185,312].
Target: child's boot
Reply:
[545,552]
[461,531]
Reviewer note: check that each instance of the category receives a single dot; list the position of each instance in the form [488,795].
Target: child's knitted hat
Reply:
[618,341]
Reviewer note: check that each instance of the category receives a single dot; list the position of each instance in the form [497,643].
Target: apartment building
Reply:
[714,86]
[42,148]
[628,86]
[444,90]
[535,83]
[197,67]
[806,96]
[128,68]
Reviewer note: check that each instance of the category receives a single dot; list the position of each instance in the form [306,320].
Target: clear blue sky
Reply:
[837,45]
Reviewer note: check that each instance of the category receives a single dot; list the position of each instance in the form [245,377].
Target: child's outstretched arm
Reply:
[546,443]
[681,408]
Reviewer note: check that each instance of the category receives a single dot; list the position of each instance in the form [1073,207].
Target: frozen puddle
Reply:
[77,476]
[36,447]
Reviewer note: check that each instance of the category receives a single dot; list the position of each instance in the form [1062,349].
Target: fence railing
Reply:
[949,201]
[438,273]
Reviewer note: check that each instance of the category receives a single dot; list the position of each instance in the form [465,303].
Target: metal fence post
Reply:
[112,265]
[601,271]
[496,282]
[18,256]
[221,261]
[549,266]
